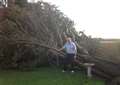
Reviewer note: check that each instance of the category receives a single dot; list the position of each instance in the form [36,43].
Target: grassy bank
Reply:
[46,76]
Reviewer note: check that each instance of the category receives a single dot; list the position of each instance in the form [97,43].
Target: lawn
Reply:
[46,76]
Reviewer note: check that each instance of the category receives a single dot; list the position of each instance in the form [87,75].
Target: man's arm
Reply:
[61,48]
[75,50]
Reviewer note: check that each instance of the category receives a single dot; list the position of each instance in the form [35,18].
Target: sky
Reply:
[98,18]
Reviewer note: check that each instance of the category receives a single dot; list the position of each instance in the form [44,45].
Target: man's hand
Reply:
[61,49]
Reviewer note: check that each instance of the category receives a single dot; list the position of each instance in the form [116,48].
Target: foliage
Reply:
[21,3]
[91,44]
[25,29]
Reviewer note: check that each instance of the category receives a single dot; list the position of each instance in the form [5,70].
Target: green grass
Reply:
[46,76]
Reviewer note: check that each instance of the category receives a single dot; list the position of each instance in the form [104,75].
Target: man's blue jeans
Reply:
[69,60]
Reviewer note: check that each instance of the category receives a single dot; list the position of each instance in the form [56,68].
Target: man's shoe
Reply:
[63,71]
[72,71]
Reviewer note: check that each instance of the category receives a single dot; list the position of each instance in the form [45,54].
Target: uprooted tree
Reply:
[31,34]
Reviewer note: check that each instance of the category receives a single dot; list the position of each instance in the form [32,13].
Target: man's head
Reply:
[68,39]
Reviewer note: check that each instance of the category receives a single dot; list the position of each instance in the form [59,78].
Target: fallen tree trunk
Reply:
[105,69]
